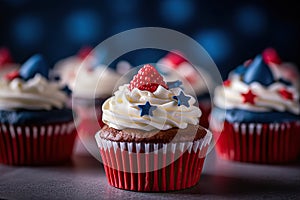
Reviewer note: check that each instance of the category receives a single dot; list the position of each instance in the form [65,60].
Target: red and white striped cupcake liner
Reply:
[36,145]
[257,142]
[151,167]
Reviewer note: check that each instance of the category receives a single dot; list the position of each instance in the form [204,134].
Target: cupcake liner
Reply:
[36,145]
[205,107]
[153,167]
[258,142]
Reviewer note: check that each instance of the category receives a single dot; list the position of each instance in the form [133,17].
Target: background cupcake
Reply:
[36,127]
[174,67]
[261,123]
[91,84]
[153,140]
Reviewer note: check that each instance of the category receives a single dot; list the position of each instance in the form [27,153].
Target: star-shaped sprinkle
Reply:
[227,83]
[182,99]
[248,97]
[12,75]
[286,94]
[174,84]
[147,109]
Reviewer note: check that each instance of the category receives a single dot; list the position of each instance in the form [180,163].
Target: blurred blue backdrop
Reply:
[230,32]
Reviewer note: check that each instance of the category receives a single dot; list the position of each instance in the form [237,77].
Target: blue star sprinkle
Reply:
[182,99]
[147,109]
[174,84]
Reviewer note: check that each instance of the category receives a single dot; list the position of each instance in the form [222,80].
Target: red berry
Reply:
[148,79]
[84,52]
[176,58]
[270,55]
[5,56]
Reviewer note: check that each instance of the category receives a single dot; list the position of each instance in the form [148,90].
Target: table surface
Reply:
[84,178]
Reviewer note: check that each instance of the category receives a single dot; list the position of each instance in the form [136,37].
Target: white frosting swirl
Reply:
[121,110]
[267,98]
[35,94]
[85,81]
[100,82]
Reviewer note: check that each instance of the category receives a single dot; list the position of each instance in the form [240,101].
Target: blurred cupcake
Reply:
[7,64]
[36,127]
[174,67]
[152,140]
[91,84]
[261,123]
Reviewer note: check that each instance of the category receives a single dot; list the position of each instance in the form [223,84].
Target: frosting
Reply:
[125,109]
[267,98]
[35,94]
[86,81]
[99,82]
[255,91]
[175,67]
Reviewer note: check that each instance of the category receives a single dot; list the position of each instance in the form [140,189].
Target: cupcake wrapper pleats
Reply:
[153,167]
[257,142]
[36,145]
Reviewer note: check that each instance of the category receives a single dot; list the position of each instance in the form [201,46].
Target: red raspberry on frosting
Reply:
[147,78]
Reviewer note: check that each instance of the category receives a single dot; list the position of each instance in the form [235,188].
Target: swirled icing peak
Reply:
[29,88]
[148,105]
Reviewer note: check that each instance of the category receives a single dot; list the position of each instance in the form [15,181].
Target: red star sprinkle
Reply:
[227,83]
[12,75]
[248,97]
[285,94]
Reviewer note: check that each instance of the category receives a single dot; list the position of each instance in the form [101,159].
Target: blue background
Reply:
[230,31]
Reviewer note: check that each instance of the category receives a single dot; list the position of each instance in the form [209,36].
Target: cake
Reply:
[36,126]
[91,84]
[152,140]
[256,113]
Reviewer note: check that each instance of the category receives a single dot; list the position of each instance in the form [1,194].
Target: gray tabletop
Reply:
[84,178]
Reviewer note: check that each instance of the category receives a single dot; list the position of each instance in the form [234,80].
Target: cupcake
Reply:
[82,74]
[261,123]
[174,66]
[36,128]
[152,140]
[7,64]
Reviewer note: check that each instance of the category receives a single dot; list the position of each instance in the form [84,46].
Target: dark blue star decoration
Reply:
[182,99]
[147,109]
[174,84]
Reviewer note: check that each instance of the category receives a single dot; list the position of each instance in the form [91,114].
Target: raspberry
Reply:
[176,58]
[270,55]
[84,52]
[148,79]
[5,56]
